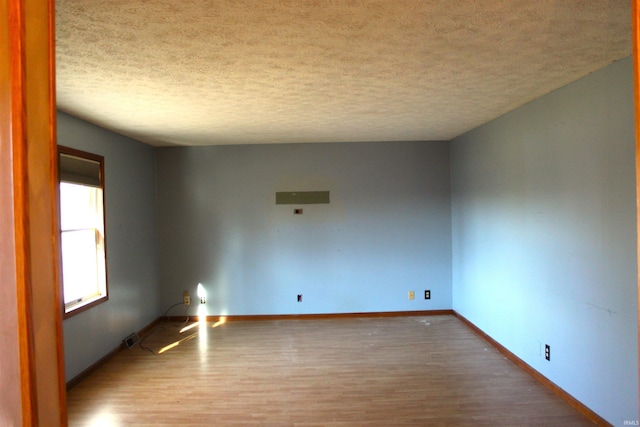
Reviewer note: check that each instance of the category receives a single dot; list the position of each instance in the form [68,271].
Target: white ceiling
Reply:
[204,72]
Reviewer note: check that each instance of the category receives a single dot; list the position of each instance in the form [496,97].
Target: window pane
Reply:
[79,265]
[80,207]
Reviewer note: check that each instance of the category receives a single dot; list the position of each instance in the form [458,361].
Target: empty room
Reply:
[346,213]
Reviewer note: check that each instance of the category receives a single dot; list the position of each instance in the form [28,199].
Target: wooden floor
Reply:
[402,371]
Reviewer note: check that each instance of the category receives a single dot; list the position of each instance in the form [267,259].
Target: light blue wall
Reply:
[544,237]
[131,245]
[386,231]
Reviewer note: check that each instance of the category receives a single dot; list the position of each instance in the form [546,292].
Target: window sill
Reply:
[79,307]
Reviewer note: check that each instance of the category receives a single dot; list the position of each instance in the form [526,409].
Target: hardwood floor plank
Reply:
[410,371]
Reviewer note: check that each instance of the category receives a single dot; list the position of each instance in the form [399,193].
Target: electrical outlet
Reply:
[412,295]
[203,300]
[186,299]
[547,352]
[299,297]
[427,294]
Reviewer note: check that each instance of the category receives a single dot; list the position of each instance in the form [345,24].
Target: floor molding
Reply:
[572,401]
[244,318]
[84,374]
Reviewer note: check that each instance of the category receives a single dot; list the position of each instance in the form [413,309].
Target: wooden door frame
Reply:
[635,17]
[32,365]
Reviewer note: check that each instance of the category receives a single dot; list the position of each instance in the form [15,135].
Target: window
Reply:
[82,231]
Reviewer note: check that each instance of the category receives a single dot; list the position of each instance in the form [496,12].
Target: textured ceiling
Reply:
[176,72]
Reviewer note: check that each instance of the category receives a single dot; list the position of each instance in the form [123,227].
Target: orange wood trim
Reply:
[55,213]
[30,140]
[572,401]
[91,369]
[14,366]
[243,318]
[46,320]
[17,42]
[635,18]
